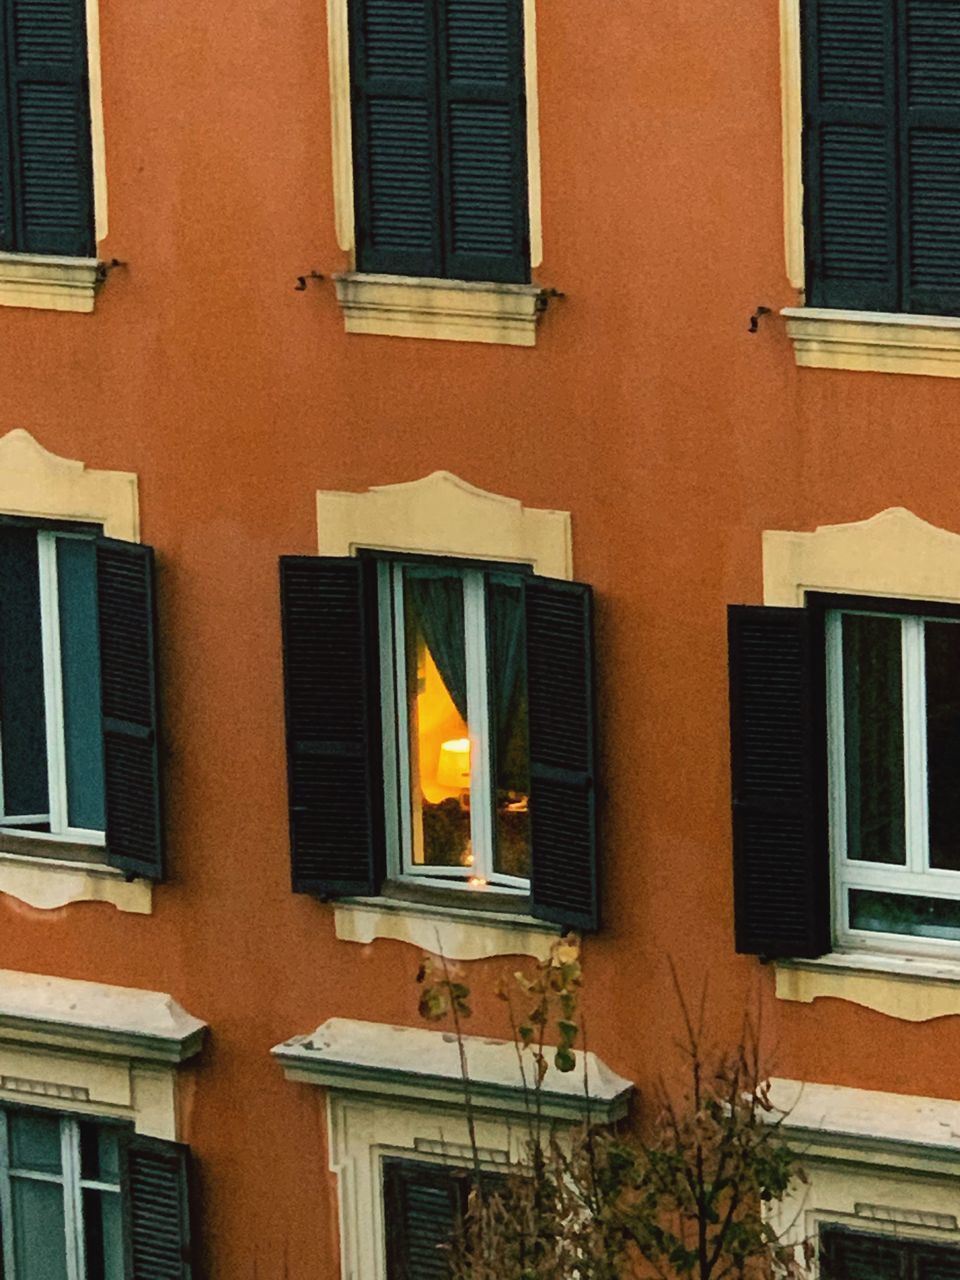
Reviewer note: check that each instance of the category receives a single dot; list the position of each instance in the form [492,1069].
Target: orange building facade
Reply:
[243,378]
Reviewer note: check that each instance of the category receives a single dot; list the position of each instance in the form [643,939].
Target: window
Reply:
[422,1205]
[78,718]
[456,756]
[881,155]
[440,729]
[46,167]
[72,1189]
[855,1255]
[845,720]
[439,138]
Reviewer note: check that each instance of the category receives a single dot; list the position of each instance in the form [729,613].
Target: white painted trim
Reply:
[451,310]
[50,883]
[874,341]
[338,52]
[441,515]
[52,680]
[911,988]
[97,134]
[792,125]
[459,933]
[48,284]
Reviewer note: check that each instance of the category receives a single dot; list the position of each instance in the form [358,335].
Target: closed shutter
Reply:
[49,173]
[332,700]
[422,1205]
[936,1263]
[781,870]
[563,814]
[850,154]
[396,147]
[156,1209]
[130,707]
[930,141]
[483,110]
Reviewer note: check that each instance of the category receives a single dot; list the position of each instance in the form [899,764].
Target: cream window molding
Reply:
[452,310]
[38,484]
[49,283]
[444,515]
[397,1091]
[897,554]
[94,1049]
[874,341]
[882,1163]
[459,933]
[423,1066]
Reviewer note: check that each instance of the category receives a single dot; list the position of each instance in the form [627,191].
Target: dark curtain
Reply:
[437,606]
[506,640]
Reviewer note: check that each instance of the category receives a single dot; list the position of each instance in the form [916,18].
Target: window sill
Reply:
[452,310]
[874,341]
[47,883]
[904,987]
[461,933]
[48,284]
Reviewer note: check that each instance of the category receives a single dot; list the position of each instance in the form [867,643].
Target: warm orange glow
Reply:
[477,882]
[453,768]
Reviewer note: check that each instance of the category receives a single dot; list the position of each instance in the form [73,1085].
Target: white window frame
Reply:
[70,1178]
[396,737]
[916,877]
[60,828]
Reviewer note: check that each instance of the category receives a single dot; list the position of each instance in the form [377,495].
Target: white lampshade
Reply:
[453,769]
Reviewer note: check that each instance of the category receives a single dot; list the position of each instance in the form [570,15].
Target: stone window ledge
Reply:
[905,987]
[48,284]
[874,341]
[453,310]
[459,933]
[47,883]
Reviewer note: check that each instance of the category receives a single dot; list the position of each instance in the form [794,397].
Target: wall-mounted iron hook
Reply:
[302,280]
[755,318]
[104,268]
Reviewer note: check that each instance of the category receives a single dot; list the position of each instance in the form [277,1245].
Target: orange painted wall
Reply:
[647,410]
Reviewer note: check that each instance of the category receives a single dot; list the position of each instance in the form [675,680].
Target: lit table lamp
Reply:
[453,769]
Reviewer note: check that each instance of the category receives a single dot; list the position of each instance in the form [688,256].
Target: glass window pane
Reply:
[873,738]
[882,912]
[942,660]
[439,737]
[103,1240]
[99,1152]
[23,733]
[34,1142]
[79,651]
[39,1231]
[508,715]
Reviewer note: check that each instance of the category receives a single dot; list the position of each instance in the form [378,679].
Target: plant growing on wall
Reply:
[684,1195]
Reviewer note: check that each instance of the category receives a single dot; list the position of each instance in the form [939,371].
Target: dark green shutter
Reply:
[130,707]
[560,692]
[332,700]
[929,48]
[781,869]
[155,1192]
[396,149]
[850,154]
[422,1205]
[484,134]
[47,182]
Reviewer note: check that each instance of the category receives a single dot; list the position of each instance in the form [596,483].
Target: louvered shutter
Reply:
[50,170]
[930,139]
[781,870]
[156,1209]
[396,148]
[126,605]
[855,1255]
[850,154]
[422,1205]
[560,694]
[332,699]
[483,114]
[936,1263]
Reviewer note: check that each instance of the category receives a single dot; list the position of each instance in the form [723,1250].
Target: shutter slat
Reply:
[777,733]
[332,702]
[483,113]
[422,1204]
[49,169]
[156,1204]
[930,138]
[126,606]
[850,154]
[560,693]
